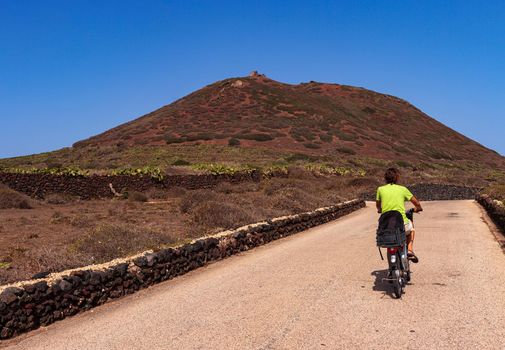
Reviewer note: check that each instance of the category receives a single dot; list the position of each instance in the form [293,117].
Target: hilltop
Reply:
[257,120]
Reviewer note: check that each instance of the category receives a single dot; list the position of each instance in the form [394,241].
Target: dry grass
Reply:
[37,260]
[496,191]
[229,205]
[10,199]
[110,241]
[59,198]
[135,196]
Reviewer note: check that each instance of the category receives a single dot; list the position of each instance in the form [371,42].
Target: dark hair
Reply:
[391,175]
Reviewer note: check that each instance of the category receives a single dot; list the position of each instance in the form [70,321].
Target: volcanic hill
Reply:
[318,119]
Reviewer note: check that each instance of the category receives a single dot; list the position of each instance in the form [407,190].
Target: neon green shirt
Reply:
[393,197]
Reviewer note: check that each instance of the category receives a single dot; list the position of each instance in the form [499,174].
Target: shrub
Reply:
[219,169]
[301,134]
[311,145]
[153,172]
[169,139]
[326,137]
[180,162]
[346,150]
[233,142]
[255,137]
[225,187]
[293,199]
[67,171]
[220,215]
[110,241]
[53,259]
[192,198]
[156,193]
[368,182]
[10,199]
[135,196]
[496,191]
[300,157]
[403,164]
[176,191]
[344,135]
[59,198]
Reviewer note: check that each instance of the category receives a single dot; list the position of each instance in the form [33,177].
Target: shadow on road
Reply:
[382,286]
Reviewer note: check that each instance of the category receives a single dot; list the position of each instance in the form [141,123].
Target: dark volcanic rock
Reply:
[43,274]
[8,297]
[65,285]
[436,192]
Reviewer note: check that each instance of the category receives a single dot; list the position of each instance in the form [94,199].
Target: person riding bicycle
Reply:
[393,197]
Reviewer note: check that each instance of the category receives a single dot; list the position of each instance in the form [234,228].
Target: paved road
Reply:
[320,289]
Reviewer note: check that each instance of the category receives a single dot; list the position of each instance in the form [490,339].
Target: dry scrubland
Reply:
[63,232]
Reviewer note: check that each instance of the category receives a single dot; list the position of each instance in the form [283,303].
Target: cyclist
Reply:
[393,197]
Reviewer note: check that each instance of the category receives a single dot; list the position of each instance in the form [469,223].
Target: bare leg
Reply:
[410,240]
[410,247]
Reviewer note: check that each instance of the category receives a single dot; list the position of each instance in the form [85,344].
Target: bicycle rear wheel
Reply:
[398,284]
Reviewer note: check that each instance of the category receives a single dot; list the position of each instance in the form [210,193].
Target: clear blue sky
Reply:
[72,69]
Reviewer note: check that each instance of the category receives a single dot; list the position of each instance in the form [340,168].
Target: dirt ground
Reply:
[50,237]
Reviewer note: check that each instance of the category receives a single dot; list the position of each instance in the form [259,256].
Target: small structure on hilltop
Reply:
[255,73]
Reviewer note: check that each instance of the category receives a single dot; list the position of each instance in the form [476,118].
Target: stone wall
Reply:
[495,211]
[436,192]
[27,305]
[97,186]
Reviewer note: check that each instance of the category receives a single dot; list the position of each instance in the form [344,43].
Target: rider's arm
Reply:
[417,204]
[379,206]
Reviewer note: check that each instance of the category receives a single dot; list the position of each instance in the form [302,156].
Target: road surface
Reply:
[320,289]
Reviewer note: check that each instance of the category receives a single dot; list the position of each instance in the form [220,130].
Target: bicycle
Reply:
[391,235]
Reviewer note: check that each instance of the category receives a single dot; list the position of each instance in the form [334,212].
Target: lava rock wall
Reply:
[496,212]
[437,192]
[98,186]
[27,305]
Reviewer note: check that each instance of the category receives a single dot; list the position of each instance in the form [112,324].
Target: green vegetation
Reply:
[153,172]
[327,169]
[66,171]
[221,169]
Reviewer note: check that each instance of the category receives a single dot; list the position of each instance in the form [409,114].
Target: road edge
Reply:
[498,234]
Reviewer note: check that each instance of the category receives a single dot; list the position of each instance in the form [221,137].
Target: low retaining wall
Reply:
[27,305]
[97,186]
[437,192]
[495,211]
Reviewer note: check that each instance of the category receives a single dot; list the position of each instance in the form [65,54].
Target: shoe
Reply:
[412,257]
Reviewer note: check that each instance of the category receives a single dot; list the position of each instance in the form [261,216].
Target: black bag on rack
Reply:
[391,230]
